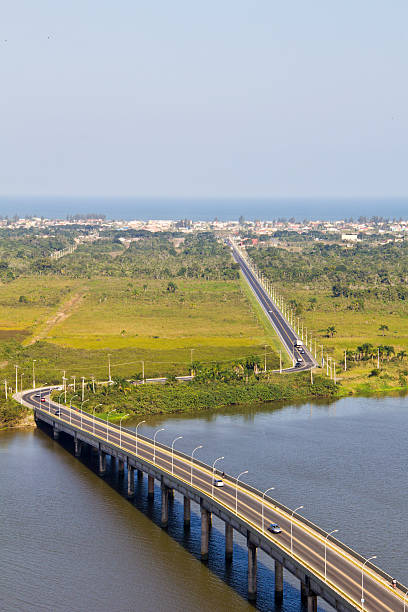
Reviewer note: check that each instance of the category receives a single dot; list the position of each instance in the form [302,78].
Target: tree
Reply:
[172,287]
[331,331]
[402,354]
[383,328]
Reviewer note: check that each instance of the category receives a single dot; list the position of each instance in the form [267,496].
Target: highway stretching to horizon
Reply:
[284,330]
[342,571]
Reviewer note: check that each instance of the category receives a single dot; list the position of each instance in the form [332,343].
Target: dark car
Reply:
[57,412]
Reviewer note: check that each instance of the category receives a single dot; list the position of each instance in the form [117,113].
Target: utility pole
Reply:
[93,384]
[345,360]
[83,387]
[34,360]
[311,376]
[16,378]
[321,346]
[5,389]
[74,377]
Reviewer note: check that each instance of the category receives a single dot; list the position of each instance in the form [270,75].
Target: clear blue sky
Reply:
[214,98]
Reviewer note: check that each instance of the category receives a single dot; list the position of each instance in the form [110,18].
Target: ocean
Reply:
[206,209]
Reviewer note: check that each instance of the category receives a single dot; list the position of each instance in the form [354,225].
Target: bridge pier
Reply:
[131,481]
[187,512]
[252,570]
[278,581]
[150,486]
[55,433]
[311,602]
[229,541]
[204,533]
[77,447]
[121,466]
[164,505]
[140,474]
[309,599]
[102,462]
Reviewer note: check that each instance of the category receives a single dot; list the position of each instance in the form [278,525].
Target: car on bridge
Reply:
[274,528]
[218,482]
[57,412]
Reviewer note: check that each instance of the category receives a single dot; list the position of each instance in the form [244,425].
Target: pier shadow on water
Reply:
[233,573]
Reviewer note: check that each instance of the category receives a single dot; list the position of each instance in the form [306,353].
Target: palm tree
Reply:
[383,328]
[389,350]
[331,330]
[402,354]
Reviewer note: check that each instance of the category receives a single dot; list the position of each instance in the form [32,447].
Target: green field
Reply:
[134,321]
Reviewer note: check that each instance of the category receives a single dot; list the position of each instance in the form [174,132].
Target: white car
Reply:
[274,528]
[218,482]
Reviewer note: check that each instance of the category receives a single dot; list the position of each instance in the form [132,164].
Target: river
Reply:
[69,540]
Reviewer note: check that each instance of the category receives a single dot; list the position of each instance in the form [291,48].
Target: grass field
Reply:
[134,321]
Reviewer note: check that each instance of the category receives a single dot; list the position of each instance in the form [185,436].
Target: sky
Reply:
[248,98]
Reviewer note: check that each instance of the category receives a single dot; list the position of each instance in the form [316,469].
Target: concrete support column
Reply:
[150,486]
[77,447]
[204,534]
[140,474]
[252,571]
[121,466]
[165,505]
[229,541]
[102,462]
[187,511]
[55,433]
[304,590]
[131,481]
[311,602]
[278,581]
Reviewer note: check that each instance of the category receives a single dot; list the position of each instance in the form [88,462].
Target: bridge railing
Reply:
[253,491]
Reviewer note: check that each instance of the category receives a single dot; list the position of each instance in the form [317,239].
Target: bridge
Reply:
[325,567]
[283,328]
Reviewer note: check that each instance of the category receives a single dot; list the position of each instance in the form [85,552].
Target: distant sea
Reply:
[208,209]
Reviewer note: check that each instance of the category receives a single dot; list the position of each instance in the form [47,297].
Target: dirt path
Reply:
[63,313]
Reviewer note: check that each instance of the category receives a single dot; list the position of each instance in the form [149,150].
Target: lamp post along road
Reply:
[236,490]
[325,552]
[192,461]
[263,504]
[172,452]
[362,579]
[291,528]
[213,470]
[154,444]
[141,423]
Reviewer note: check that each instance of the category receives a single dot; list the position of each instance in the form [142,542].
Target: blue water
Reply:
[206,209]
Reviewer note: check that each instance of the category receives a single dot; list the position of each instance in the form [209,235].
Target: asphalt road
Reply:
[343,570]
[285,332]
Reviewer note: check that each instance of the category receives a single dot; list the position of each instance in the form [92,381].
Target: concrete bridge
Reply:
[325,567]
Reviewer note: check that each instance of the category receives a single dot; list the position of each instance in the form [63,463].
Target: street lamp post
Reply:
[192,460]
[93,417]
[213,470]
[325,552]
[120,428]
[236,490]
[107,423]
[362,579]
[70,408]
[141,423]
[82,403]
[172,452]
[263,503]
[291,528]
[34,360]
[154,445]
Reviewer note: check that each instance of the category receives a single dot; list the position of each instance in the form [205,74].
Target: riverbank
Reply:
[13,415]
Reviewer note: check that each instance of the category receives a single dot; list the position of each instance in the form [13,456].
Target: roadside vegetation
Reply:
[354,300]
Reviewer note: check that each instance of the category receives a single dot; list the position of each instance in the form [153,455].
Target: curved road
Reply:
[307,546]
